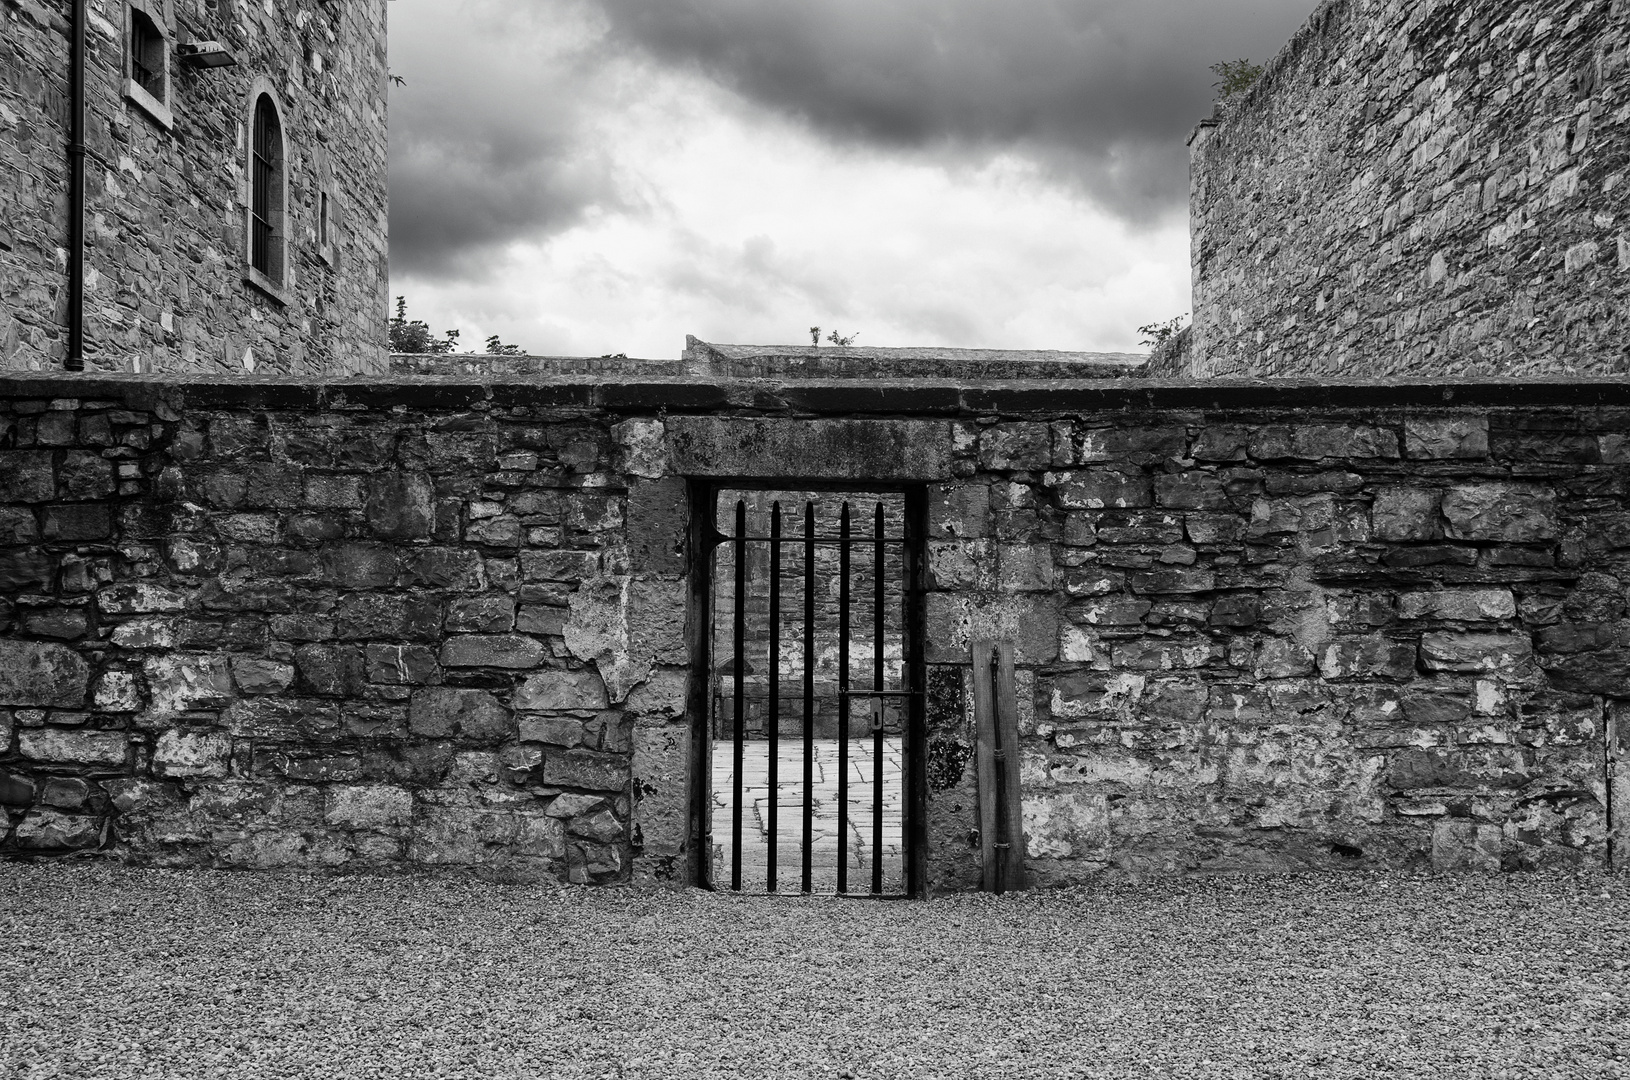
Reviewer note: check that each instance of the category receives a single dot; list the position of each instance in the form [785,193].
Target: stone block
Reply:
[1009,447]
[504,531]
[642,448]
[81,521]
[447,568]
[1405,514]
[1282,658]
[1191,491]
[117,692]
[658,523]
[401,665]
[1513,513]
[388,616]
[45,830]
[42,675]
[510,651]
[139,598]
[556,690]
[367,806]
[192,753]
[66,792]
[282,719]
[84,476]
[27,476]
[1113,611]
[1066,825]
[1174,701]
[25,570]
[1438,437]
[602,827]
[1221,442]
[586,769]
[1024,568]
[1173,581]
[58,747]
[554,730]
[1460,844]
[568,566]
[1096,696]
[541,620]
[462,836]
[330,670]
[334,492]
[1602,672]
[1462,605]
[17,526]
[361,566]
[259,676]
[1450,651]
[481,615]
[1098,489]
[838,449]
[959,511]
[661,697]
[179,683]
[1367,657]
[471,716]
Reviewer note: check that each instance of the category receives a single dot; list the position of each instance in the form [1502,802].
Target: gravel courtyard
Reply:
[109,972]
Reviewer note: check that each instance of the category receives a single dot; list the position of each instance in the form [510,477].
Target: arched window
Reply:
[266,171]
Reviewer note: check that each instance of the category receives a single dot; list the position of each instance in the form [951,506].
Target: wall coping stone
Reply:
[904,397]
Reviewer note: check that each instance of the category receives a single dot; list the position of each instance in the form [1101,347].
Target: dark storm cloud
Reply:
[490,136]
[1102,90]
[496,136]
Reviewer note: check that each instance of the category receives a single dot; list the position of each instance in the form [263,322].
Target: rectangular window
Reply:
[322,219]
[147,66]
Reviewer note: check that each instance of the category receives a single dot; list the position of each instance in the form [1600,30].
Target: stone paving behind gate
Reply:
[789,835]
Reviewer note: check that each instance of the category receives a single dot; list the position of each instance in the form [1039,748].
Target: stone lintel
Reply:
[859,450]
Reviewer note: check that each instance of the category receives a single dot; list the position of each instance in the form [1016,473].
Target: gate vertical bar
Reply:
[772,717]
[701,701]
[740,690]
[809,692]
[843,700]
[878,604]
[914,670]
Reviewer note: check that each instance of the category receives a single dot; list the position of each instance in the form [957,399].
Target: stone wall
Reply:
[165,215]
[1420,188]
[1259,626]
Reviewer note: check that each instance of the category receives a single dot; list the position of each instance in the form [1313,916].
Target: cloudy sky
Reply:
[599,176]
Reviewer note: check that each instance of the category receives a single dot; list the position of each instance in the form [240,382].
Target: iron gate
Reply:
[813,617]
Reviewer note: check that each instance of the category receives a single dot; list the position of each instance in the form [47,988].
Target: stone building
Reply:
[234,191]
[1420,187]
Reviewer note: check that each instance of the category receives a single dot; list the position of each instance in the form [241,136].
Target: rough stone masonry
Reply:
[1420,187]
[443,622]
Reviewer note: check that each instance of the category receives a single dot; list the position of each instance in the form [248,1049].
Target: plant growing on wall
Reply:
[1234,77]
[498,348]
[415,336]
[1157,334]
[834,337]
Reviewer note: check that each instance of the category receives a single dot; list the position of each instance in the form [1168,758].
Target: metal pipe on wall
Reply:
[75,360]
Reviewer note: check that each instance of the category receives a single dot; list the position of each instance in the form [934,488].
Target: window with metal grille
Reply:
[266,193]
[147,56]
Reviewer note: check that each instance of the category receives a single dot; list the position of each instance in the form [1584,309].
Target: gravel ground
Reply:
[111,972]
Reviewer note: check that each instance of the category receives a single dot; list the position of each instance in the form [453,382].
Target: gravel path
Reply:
[108,972]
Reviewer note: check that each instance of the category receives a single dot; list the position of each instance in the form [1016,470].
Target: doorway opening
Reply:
[813,736]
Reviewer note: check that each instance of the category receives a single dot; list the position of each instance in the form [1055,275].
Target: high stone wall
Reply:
[165,220]
[1421,188]
[444,622]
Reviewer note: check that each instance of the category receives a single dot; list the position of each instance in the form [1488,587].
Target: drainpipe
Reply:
[76,193]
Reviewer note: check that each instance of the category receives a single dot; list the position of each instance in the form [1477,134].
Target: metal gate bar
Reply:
[809,695]
[877,704]
[843,700]
[773,720]
[740,688]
